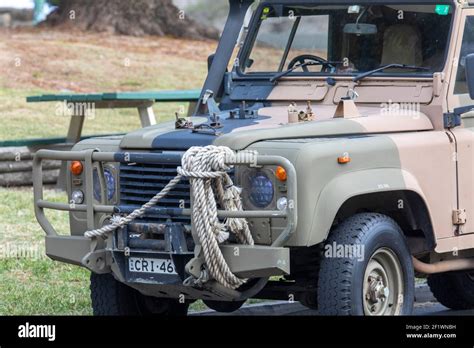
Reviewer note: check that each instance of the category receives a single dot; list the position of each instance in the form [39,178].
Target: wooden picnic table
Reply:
[81,103]
[142,101]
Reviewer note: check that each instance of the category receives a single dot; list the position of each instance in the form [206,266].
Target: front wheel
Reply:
[112,298]
[366,269]
[224,306]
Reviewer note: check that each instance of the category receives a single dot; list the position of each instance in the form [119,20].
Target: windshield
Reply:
[347,39]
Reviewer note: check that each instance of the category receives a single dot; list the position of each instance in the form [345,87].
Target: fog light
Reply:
[282,204]
[77,197]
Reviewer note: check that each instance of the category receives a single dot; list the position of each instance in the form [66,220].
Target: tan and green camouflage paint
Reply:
[417,161]
[389,152]
[464,137]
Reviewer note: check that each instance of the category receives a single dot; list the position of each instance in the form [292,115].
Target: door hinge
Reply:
[459,216]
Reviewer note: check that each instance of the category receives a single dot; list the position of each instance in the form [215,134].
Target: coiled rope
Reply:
[211,185]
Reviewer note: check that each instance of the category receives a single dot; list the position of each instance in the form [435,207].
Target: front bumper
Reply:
[111,255]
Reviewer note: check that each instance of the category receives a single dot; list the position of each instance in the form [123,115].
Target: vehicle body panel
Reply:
[398,143]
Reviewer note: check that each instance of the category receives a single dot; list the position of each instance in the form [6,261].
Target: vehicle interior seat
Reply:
[402,45]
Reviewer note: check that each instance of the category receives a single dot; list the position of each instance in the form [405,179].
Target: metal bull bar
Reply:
[277,257]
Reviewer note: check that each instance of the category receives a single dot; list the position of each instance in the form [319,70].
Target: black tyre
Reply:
[110,297]
[309,300]
[224,306]
[454,290]
[380,281]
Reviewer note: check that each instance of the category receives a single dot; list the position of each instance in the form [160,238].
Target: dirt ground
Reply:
[87,62]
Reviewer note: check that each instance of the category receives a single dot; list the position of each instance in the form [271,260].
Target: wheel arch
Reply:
[392,192]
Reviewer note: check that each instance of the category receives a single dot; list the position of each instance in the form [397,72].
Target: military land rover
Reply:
[347,129]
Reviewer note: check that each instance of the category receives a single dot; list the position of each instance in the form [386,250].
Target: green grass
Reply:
[30,283]
[23,120]
[43,287]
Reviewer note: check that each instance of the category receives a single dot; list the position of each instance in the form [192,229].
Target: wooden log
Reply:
[15,154]
[16,165]
[26,178]
[26,166]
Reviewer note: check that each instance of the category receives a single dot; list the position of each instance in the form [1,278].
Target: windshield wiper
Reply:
[302,65]
[389,66]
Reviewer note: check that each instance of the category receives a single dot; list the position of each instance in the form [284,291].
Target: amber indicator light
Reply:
[76,168]
[343,159]
[280,173]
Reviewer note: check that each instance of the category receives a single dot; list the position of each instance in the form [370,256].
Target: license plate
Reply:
[147,265]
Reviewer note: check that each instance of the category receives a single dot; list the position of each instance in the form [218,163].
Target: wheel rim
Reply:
[383,284]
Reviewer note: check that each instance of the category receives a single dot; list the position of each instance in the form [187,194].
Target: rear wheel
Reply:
[454,290]
[366,269]
[110,297]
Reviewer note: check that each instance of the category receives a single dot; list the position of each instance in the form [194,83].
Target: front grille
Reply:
[140,182]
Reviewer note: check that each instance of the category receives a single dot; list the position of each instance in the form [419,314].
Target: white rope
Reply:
[211,186]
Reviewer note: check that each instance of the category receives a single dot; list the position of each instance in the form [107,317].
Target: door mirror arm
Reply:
[454,119]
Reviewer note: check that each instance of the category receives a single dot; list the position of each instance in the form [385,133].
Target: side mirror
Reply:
[470,74]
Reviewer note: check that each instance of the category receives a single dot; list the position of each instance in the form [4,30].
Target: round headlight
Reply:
[261,190]
[109,182]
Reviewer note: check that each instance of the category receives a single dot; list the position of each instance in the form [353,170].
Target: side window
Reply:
[466,49]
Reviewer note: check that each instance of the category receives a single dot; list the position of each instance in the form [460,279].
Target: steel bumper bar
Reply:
[272,260]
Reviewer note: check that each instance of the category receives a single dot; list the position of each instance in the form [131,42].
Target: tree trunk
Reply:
[125,17]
